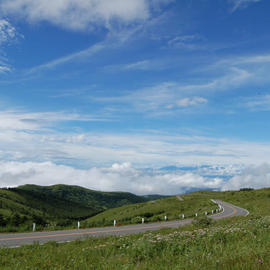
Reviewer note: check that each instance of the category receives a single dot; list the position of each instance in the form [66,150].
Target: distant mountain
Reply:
[60,204]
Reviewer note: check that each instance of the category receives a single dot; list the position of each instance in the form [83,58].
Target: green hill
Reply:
[154,210]
[256,201]
[58,205]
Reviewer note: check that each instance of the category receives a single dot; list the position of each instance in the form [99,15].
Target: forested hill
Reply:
[60,204]
[86,197]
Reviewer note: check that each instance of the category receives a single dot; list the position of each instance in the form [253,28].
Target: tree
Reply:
[15,219]
[2,221]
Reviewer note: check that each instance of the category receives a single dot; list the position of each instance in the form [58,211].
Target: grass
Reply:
[153,211]
[257,202]
[241,244]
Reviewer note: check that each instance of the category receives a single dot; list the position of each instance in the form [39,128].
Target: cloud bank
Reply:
[118,177]
[252,177]
[125,177]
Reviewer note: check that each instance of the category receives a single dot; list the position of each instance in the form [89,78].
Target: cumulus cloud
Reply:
[251,177]
[81,14]
[118,177]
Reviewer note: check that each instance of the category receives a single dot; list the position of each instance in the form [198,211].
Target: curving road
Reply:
[20,239]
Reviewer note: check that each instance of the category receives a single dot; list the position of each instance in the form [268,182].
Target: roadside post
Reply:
[196,215]
[34,227]
[165,218]
[142,220]
[114,223]
[79,225]
[183,216]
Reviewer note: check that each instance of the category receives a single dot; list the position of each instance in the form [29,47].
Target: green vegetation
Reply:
[257,202]
[239,243]
[153,211]
[55,206]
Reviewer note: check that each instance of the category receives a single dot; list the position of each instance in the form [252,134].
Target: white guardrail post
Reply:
[34,227]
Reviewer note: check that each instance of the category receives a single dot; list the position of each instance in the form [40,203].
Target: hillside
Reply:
[90,198]
[196,202]
[257,202]
[153,211]
[58,205]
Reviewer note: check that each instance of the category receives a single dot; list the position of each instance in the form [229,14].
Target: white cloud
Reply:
[7,32]
[258,103]
[81,14]
[168,95]
[37,137]
[239,4]
[77,56]
[19,120]
[187,42]
[193,101]
[118,177]
[252,177]
[125,177]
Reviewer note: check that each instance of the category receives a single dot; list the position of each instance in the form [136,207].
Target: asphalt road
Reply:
[20,239]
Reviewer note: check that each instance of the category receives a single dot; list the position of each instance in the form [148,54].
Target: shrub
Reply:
[202,222]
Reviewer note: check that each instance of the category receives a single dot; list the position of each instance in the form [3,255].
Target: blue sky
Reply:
[102,88]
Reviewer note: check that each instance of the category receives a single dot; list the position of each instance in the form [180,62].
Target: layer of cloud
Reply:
[118,177]
[252,177]
[20,120]
[49,137]
[125,177]
[83,14]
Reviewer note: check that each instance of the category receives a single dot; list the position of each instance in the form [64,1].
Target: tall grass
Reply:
[241,244]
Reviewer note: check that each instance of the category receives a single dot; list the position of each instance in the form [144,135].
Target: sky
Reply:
[145,96]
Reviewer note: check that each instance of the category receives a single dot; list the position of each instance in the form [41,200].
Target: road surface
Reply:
[20,239]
